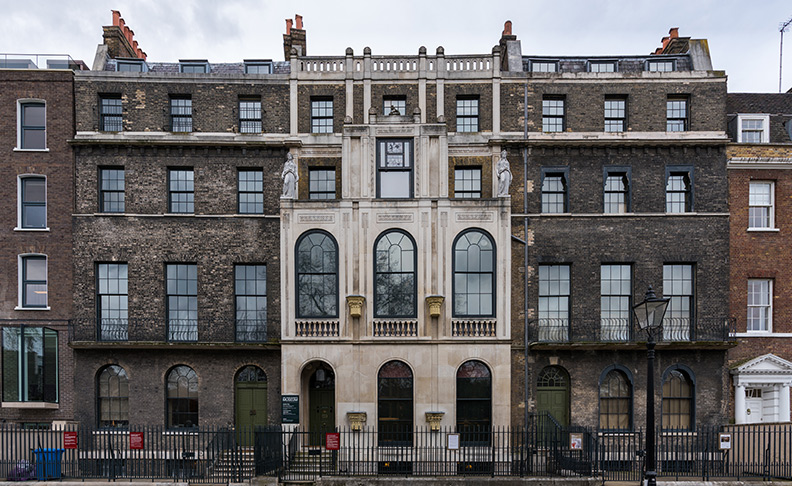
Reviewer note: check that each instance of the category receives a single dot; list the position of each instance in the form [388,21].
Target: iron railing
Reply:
[173,330]
[544,448]
[601,330]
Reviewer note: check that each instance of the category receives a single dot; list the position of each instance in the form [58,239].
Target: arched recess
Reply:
[552,393]
[250,402]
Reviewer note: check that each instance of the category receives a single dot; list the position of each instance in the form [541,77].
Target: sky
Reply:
[743,36]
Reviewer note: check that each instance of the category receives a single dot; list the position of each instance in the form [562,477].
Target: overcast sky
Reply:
[743,35]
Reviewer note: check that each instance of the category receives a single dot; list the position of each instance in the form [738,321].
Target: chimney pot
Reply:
[116,17]
[298,21]
[674,32]
[288,26]
[507,28]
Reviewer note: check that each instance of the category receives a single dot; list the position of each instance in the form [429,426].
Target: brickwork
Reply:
[305,92]
[484,163]
[585,104]
[306,163]
[215,105]
[408,91]
[484,94]
[55,89]
[147,372]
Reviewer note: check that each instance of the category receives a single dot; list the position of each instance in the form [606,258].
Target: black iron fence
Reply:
[601,330]
[172,330]
[544,448]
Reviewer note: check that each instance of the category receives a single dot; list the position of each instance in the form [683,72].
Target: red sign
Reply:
[136,440]
[69,440]
[332,441]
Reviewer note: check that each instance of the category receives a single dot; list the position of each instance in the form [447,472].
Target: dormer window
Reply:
[258,66]
[194,67]
[602,66]
[544,66]
[753,128]
[131,66]
[662,66]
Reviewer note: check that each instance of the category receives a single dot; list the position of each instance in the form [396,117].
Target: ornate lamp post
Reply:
[649,316]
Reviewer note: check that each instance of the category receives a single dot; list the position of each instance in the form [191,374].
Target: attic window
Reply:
[131,66]
[258,67]
[544,66]
[193,67]
[602,66]
[664,66]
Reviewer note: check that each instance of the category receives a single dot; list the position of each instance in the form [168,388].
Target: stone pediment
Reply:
[768,364]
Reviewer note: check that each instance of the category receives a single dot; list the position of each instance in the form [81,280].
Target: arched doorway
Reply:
[552,393]
[321,402]
[250,393]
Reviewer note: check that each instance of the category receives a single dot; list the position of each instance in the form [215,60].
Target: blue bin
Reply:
[48,463]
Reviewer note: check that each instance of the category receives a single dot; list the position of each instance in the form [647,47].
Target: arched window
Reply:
[317,275]
[251,374]
[678,404]
[474,402]
[615,400]
[474,275]
[112,393]
[182,397]
[394,275]
[395,404]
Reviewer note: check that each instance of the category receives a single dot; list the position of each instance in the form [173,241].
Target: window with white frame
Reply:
[394,168]
[753,128]
[760,305]
[761,205]
[33,281]
[32,203]
[32,125]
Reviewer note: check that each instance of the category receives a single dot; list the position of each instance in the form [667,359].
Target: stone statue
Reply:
[290,178]
[394,111]
[504,175]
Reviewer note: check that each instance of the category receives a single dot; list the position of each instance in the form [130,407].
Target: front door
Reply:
[251,403]
[552,394]
[321,402]
[753,405]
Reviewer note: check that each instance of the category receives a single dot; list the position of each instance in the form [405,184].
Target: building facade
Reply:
[760,157]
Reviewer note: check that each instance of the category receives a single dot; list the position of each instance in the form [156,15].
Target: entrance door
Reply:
[552,394]
[251,403]
[321,403]
[753,405]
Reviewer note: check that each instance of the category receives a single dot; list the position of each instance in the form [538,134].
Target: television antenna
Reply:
[783,27]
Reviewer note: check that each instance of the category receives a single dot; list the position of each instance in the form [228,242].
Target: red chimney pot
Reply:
[288,26]
[507,28]
[298,21]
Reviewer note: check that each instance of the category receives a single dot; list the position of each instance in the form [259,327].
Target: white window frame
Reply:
[20,282]
[20,177]
[24,101]
[771,224]
[765,119]
[769,324]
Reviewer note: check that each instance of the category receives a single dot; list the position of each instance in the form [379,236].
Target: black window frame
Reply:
[313,191]
[178,288]
[111,113]
[190,201]
[397,430]
[194,67]
[468,114]
[457,271]
[554,171]
[250,115]
[116,403]
[470,192]
[630,396]
[24,127]
[104,203]
[541,62]
[319,114]
[46,387]
[613,171]
[181,113]
[385,272]
[474,429]
[24,204]
[27,282]
[244,191]
[686,171]
[549,115]
[112,327]
[244,331]
[383,151]
[612,114]
[257,65]
[673,116]
[131,66]
[604,62]
[178,405]
[299,274]
[687,373]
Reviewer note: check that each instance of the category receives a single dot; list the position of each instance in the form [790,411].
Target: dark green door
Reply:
[321,403]
[251,403]
[552,394]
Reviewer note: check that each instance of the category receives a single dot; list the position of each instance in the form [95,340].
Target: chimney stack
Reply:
[294,37]
[120,39]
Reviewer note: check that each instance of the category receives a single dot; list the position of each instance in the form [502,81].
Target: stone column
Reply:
[739,404]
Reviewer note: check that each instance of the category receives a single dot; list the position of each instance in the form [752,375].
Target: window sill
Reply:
[179,214]
[763,230]
[17,149]
[30,405]
[763,334]
[40,230]
[17,308]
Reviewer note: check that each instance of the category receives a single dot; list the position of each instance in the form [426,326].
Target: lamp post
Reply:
[649,315]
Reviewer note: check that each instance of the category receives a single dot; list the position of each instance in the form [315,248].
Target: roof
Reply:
[770,103]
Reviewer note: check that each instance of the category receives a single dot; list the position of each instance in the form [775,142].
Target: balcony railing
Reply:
[599,330]
[40,61]
[172,330]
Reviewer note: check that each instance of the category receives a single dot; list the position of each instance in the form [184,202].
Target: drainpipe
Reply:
[525,247]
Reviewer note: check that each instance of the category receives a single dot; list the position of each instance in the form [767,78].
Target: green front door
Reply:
[251,403]
[321,403]
[552,394]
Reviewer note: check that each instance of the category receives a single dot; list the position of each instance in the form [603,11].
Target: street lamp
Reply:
[649,315]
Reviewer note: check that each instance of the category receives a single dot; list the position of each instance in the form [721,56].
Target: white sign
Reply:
[725,441]
[453,442]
